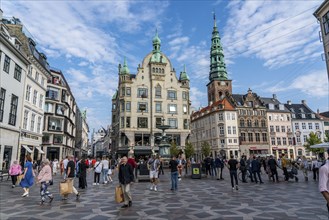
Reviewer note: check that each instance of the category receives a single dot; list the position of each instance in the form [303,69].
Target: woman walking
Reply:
[83,174]
[28,178]
[44,178]
[98,170]
[14,171]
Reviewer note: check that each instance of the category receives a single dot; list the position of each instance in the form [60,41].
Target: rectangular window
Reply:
[60,109]
[233,116]
[2,103]
[186,124]
[234,129]
[296,126]
[142,122]
[243,136]
[52,93]
[310,126]
[128,91]
[13,110]
[158,107]
[49,107]
[271,128]
[128,122]
[39,125]
[221,130]
[32,122]
[6,64]
[284,141]
[277,128]
[35,97]
[28,93]
[142,107]
[228,116]
[122,122]
[122,104]
[185,95]
[264,135]
[317,126]
[18,72]
[235,140]
[29,72]
[41,101]
[325,22]
[141,93]
[184,109]
[123,91]
[158,122]
[172,108]
[283,128]
[230,141]
[290,141]
[37,76]
[273,141]
[220,117]
[305,138]
[172,122]
[278,140]
[250,137]
[298,139]
[55,124]
[42,81]
[128,106]
[158,92]
[257,135]
[25,119]
[172,95]
[229,131]
[303,126]
[58,139]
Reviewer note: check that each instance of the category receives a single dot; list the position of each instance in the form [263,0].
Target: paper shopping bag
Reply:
[65,187]
[119,194]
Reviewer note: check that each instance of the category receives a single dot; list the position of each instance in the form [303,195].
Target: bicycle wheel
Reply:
[240,176]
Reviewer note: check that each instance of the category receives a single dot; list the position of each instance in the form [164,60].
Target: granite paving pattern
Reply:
[205,198]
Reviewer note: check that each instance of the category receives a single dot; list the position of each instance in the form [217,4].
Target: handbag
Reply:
[19,179]
[65,187]
[119,194]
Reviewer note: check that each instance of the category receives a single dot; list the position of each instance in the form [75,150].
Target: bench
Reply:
[4,173]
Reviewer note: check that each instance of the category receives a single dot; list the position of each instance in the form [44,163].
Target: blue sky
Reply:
[269,46]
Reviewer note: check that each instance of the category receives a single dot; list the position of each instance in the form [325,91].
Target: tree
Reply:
[312,140]
[174,151]
[205,148]
[189,150]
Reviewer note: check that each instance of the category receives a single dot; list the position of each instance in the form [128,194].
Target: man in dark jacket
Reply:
[243,168]
[255,167]
[126,176]
[273,164]
[219,164]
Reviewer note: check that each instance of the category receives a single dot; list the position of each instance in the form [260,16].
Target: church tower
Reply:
[219,85]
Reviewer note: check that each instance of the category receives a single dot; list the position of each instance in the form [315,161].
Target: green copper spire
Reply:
[157,56]
[124,68]
[217,64]
[183,75]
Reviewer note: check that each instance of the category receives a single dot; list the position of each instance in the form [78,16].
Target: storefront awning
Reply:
[40,150]
[27,149]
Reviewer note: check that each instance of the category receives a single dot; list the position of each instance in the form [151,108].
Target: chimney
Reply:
[274,96]
[318,111]
[289,102]
[304,102]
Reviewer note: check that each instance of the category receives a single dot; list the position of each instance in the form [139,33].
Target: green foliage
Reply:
[312,140]
[205,148]
[174,151]
[326,138]
[189,150]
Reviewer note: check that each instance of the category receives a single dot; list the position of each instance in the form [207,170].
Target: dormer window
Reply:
[271,106]
[313,115]
[303,115]
[293,115]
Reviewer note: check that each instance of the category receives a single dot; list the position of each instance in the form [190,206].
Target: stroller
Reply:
[293,172]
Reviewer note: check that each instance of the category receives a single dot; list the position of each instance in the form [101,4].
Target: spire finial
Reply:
[184,68]
[214,14]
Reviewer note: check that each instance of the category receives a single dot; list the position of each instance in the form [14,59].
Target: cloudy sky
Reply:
[270,46]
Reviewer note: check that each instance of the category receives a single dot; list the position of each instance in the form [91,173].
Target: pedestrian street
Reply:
[205,198]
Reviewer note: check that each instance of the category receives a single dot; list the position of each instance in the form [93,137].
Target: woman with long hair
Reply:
[28,178]
[14,171]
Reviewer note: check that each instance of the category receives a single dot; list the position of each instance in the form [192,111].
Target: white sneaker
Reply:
[94,184]
[155,188]
[97,183]
[151,188]
[105,182]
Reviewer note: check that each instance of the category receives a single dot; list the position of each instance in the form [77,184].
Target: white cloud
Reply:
[277,32]
[197,97]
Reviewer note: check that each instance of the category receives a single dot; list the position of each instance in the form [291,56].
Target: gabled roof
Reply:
[221,105]
[300,109]
[325,114]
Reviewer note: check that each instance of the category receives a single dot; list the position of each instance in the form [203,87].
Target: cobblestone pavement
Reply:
[204,198]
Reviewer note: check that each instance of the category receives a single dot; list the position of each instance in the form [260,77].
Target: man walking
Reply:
[233,166]
[65,162]
[243,168]
[273,164]
[255,167]
[173,164]
[153,166]
[126,176]
[219,164]
[70,174]
[284,164]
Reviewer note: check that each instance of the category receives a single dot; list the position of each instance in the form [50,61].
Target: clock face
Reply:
[222,83]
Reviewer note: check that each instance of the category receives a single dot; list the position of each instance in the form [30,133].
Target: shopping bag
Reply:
[65,187]
[19,179]
[119,194]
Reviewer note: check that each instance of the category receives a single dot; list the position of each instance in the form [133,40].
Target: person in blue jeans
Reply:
[173,163]
[233,166]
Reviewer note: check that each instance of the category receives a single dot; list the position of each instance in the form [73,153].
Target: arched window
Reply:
[256,123]
[156,70]
[241,122]
[263,123]
[162,70]
[153,70]
[158,91]
[249,124]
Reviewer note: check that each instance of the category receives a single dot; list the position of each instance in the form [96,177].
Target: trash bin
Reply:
[196,171]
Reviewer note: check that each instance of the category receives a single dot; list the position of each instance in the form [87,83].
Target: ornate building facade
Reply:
[145,100]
